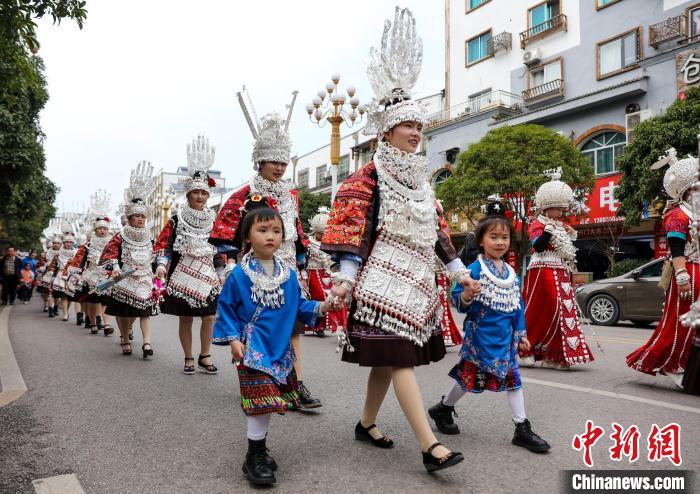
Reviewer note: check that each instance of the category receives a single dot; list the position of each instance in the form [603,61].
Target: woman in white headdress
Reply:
[318,269]
[60,287]
[45,275]
[669,346]
[129,256]
[184,254]
[386,230]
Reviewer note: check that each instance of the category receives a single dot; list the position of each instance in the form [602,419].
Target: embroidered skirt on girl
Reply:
[669,346]
[550,309]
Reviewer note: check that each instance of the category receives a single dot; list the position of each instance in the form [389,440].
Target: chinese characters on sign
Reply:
[687,71]
[662,443]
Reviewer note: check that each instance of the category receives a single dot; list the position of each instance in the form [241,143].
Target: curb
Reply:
[11,379]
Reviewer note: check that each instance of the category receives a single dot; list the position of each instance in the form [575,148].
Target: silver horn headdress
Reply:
[393,70]
[200,158]
[680,175]
[141,184]
[99,208]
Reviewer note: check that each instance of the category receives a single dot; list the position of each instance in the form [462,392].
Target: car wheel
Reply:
[603,310]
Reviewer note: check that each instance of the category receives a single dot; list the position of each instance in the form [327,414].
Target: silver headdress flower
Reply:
[141,184]
[680,175]
[200,158]
[272,141]
[555,193]
[99,209]
[393,71]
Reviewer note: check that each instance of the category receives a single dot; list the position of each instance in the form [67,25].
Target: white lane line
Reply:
[61,484]
[611,394]
[10,376]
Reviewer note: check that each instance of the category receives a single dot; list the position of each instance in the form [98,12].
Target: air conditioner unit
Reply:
[634,119]
[532,57]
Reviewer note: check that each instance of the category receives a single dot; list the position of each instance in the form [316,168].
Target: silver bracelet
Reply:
[343,280]
[683,278]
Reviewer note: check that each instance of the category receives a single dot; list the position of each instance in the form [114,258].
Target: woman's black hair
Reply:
[489,223]
[256,216]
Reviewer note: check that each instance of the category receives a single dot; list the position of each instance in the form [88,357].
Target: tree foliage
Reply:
[510,161]
[309,204]
[27,194]
[678,127]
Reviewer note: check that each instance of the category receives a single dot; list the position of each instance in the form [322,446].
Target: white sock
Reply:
[516,400]
[453,395]
[257,426]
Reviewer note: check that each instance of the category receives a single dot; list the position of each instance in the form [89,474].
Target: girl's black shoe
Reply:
[442,415]
[433,464]
[362,434]
[256,466]
[98,322]
[147,352]
[88,322]
[524,437]
[207,369]
[79,319]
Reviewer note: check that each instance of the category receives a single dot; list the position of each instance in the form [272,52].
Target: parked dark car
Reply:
[634,296]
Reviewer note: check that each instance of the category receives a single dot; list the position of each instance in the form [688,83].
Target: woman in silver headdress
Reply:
[60,288]
[386,230]
[184,253]
[46,276]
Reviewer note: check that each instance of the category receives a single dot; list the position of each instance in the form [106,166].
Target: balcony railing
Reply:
[484,102]
[502,41]
[544,91]
[544,29]
[670,29]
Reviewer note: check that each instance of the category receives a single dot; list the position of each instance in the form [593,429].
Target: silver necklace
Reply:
[196,221]
[266,290]
[138,237]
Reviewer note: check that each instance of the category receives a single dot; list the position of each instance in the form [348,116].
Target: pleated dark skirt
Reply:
[120,309]
[691,377]
[177,307]
[377,348]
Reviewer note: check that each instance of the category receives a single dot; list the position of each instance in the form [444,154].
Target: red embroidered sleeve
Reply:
[229,217]
[77,261]
[162,246]
[535,230]
[349,216]
[111,250]
[676,221]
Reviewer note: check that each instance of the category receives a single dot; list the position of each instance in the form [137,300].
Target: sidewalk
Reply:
[12,384]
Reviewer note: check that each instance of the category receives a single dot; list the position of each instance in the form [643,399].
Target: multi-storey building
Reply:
[589,69]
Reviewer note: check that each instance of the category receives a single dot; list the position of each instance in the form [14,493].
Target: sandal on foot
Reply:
[362,434]
[93,329]
[433,464]
[188,369]
[126,347]
[108,329]
[207,369]
[147,352]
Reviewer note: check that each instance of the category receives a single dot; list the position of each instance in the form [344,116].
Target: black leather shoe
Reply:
[362,434]
[442,415]
[524,437]
[99,323]
[87,323]
[305,398]
[147,352]
[53,312]
[255,466]
[433,464]
[80,319]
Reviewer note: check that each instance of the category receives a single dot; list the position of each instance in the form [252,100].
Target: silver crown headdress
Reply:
[318,222]
[52,233]
[141,184]
[393,71]
[200,158]
[680,175]
[272,141]
[555,193]
[99,207]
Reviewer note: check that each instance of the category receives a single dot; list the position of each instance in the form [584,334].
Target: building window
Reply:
[603,150]
[600,4]
[366,155]
[619,54]
[545,81]
[344,167]
[693,14]
[482,98]
[546,73]
[440,176]
[473,4]
[323,176]
[477,48]
[303,179]
[540,16]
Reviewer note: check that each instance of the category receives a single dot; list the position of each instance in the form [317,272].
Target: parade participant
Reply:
[46,276]
[267,189]
[129,255]
[494,329]
[551,319]
[318,267]
[183,252]
[60,286]
[668,347]
[85,265]
[259,303]
[385,230]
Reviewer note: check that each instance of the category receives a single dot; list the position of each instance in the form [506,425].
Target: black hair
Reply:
[488,224]
[256,216]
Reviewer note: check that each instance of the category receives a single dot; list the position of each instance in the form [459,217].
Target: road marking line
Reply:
[611,394]
[61,484]
[10,376]
[619,340]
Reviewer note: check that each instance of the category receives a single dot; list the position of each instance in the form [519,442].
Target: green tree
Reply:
[510,161]
[309,204]
[678,127]
[27,194]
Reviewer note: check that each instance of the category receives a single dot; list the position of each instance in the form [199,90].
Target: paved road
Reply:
[124,425]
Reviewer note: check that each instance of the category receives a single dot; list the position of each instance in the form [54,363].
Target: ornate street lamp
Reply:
[335,107]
